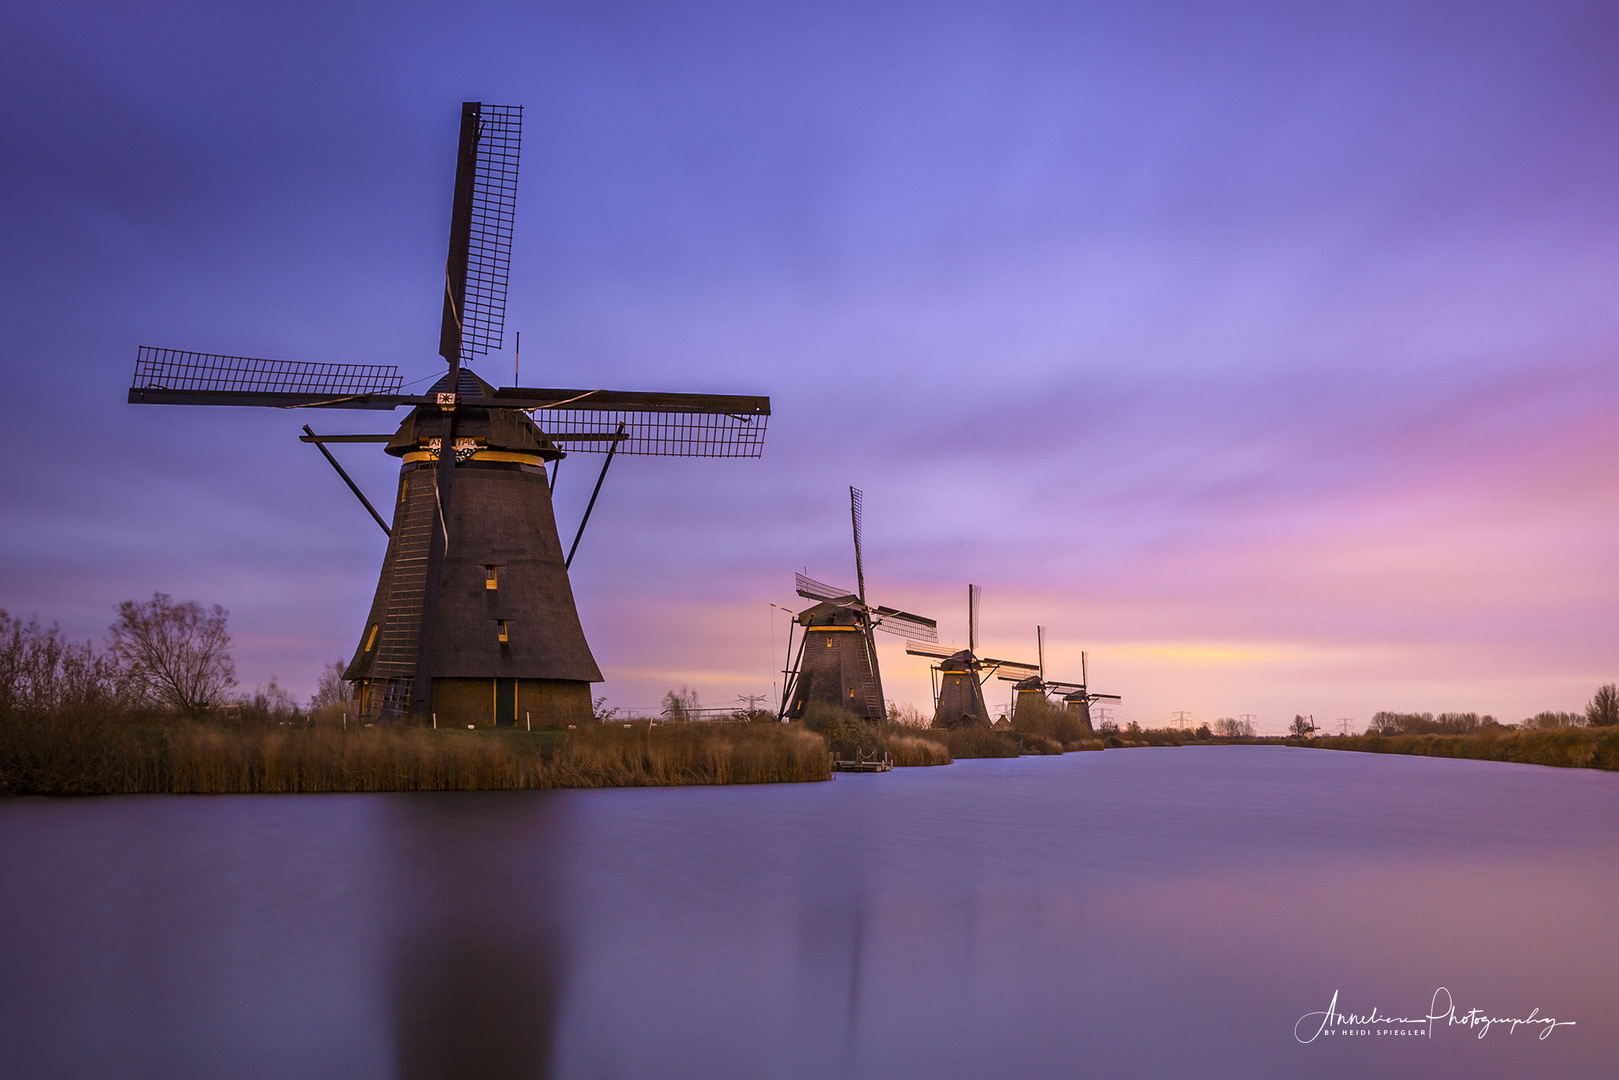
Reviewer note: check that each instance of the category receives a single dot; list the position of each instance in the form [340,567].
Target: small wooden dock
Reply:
[860,763]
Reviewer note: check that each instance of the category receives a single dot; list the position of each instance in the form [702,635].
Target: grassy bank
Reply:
[78,756]
[1569,748]
[1037,732]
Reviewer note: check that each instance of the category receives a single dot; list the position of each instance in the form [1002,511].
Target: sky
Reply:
[1263,351]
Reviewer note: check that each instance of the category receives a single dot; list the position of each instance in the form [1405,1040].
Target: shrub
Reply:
[977,742]
[41,671]
[1041,723]
[845,733]
[679,704]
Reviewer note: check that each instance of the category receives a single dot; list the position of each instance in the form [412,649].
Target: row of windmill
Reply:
[836,662]
[473,618]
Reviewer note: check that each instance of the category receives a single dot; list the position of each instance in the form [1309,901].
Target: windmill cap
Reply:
[506,430]
[829,615]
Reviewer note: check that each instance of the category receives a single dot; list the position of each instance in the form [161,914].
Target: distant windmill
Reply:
[1076,697]
[837,657]
[474,616]
[958,697]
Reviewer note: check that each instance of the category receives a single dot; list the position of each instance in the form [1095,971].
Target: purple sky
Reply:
[1267,354]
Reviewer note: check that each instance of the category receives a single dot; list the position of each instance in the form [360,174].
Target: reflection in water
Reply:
[476,971]
[1131,913]
[474,1005]
[831,942]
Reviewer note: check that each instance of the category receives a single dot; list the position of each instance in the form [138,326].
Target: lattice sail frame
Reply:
[810,589]
[177,369]
[494,207]
[904,624]
[656,434]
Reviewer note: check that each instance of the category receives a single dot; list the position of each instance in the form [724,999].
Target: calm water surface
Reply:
[1133,913]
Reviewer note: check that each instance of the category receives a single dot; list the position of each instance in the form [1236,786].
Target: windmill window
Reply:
[500,624]
[491,577]
[371,638]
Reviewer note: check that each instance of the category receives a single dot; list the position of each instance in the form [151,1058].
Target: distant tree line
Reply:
[1601,711]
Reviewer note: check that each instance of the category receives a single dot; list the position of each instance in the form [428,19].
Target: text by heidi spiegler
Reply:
[1330,1022]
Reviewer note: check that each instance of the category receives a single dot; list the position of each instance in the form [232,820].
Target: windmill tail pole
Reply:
[611,450]
[358,494]
[790,676]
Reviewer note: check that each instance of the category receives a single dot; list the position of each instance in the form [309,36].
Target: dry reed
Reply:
[76,757]
[912,748]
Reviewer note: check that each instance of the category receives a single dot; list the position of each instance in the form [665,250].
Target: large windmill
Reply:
[474,618]
[1077,697]
[959,677]
[837,658]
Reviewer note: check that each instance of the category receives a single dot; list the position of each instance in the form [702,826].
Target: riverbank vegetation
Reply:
[906,737]
[1563,746]
[154,713]
[98,754]
[1580,740]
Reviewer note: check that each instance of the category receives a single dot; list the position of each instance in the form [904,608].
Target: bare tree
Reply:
[1603,711]
[179,653]
[1302,726]
[332,690]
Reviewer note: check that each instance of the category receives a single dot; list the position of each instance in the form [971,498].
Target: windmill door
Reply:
[505,701]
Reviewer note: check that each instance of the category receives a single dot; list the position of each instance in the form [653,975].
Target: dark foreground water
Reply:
[1152,913]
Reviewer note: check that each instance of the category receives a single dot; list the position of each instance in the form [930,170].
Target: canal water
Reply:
[1134,913]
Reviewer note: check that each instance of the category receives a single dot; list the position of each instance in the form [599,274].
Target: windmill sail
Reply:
[1013,665]
[903,623]
[489,240]
[660,425]
[973,595]
[178,377]
[922,648]
[810,589]
[856,500]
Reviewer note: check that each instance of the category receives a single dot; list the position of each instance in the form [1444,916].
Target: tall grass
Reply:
[1565,747]
[912,747]
[44,755]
